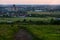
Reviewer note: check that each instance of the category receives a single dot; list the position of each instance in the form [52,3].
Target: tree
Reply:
[24,20]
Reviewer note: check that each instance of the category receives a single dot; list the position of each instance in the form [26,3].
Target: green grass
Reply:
[27,19]
[45,32]
[7,31]
[55,13]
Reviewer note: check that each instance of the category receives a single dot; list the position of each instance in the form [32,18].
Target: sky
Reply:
[30,2]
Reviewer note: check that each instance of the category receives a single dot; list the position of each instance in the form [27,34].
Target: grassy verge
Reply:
[39,32]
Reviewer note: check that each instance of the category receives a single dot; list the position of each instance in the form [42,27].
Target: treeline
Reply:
[50,22]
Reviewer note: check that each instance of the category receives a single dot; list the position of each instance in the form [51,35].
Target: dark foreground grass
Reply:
[7,31]
[39,32]
[45,32]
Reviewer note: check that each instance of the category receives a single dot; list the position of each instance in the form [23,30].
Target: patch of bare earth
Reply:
[22,35]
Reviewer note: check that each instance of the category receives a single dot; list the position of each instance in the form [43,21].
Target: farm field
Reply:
[44,14]
[43,32]
[27,18]
[30,12]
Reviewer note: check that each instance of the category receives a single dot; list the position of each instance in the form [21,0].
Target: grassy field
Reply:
[7,31]
[56,13]
[44,32]
[27,19]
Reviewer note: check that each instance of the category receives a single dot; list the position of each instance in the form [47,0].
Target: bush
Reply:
[24,20]
[55,22]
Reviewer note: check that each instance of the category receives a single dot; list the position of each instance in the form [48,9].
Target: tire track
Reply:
[22,34]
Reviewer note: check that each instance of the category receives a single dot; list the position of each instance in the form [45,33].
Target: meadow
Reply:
[43,32]
[27,19]
[7,31]
[38,12]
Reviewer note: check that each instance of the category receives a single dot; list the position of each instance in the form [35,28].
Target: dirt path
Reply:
[23,35]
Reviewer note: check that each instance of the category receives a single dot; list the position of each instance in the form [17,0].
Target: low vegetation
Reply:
[43,32]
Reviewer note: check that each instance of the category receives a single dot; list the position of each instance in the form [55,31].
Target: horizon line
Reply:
[29,4]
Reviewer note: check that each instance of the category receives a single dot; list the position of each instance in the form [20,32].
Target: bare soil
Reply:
[22,34]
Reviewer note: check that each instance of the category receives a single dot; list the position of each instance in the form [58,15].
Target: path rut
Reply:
[23,34]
